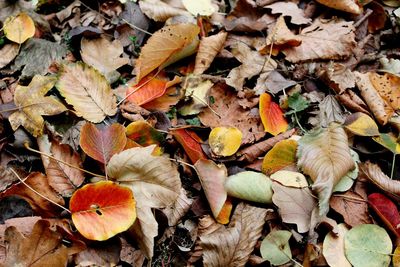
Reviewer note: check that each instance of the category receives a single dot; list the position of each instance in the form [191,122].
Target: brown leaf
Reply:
[7,53]
[226,102]
[160,11]
[208,49]
[280,36]
[7,177]
[330,111]
[38,181]
[232,246]
[338,77]
[374,173]
[176,211]
[350,6]
[43,247]
[63,178]
[323,40]
[379,107]
[352,101]
[100,254]
[388,87]
[352,207]
[289,9]
[295,205]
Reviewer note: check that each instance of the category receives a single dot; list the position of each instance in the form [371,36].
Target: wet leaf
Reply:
[275,247]
[87,91]
[225,141]
[361,124]
[333,247]
[272,116]
[33,103]
[102,144]
[368,245]
[142,133]
[102,210]
[19,28]
[251,186]
[282,155]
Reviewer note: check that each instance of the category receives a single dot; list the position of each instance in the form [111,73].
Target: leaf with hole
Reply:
[102,210]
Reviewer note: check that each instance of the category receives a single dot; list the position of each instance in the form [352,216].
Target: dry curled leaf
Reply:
[289,9]
[232,246]
[376,175]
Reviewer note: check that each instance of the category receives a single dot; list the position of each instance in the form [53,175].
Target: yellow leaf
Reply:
[166,46]
[396,257]
[289,178]
[199,7]
[32,104]
[388,87]
[19,29]
[283,154]
[389,141]
[225,141]
[361,124]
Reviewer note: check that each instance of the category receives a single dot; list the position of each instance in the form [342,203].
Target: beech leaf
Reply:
[19,29]
[324,155]
[102,144]
[272,116]
[275,247]
[333,247]
[87,91]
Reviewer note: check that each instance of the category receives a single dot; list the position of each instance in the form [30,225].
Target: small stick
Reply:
[363,18]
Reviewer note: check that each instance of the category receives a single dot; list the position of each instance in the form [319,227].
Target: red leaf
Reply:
[147,89]
[386,210]
[190,143]
[272,116]
[102,210]
[102,144]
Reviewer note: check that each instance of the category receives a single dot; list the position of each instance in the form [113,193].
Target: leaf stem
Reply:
[298,122]
[26,145]
[393,165]
[39,194]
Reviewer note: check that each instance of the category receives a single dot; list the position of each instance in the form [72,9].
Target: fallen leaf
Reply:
[396,257]
[290,178]
[43,247]
[374,173]
[102,144]
[142,133]
[368,245]
[165,47]
[213,178]
[178,209]
[209,47]
[7,53]
[272,116]
[325,156]
[102,210]
[155,183]
[280,36]
[391,65]
[282,155]
[87,91]
[190,142]
[295,205]
[386,210]
[104,253]
[253,63]
[330,111]
[379,107]
[275,247]
[275,83]
[289,9]
[389,141]
[387,86]
[333,247]
[352,207]
[148,89]
[19,29]
[361,124]
[62,178]
[36,56]
[347,181]
[338,76]
[225,141]
[378,18]
[160,11]
[163,103]
[200,7]
[226,102]
[323,40]
[350,6]
[110,59]
[353,102]
[251,186]
[233,245]
[32,104]
[197,91]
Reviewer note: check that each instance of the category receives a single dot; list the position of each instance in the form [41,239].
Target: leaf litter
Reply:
[199,133]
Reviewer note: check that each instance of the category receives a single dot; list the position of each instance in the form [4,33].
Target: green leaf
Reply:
[368,245]
[389,141]
[275,247]
[251,186]
[347,181]
[297,103]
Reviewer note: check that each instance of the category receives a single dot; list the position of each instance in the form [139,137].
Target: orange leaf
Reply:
[142,133]
[190,143]
[102,144]
[272,116]
[147,89]
[163,103]
[102,210]
[282,155]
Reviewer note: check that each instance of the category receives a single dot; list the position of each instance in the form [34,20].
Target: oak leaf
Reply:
[33,103]
[87,91]
[232,246]
[323,40]
[325,156]
[350,6]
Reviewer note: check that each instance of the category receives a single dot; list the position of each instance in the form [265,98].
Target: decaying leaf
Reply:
[208,49]
[225,141]
[87,91]
[387,86]
[333,247]
[375,175]
[325,155]
[323,40]
[7,53]
[33,103]
[289,9]
[350,6]
[102,210]
[272,115]
[275,247]
[295,205]
[167,46]
[233,245]
[19,29]
[102,144]
[361,124]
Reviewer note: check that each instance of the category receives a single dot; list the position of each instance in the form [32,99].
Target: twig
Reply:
[393,165]
[363,18]
[36,192]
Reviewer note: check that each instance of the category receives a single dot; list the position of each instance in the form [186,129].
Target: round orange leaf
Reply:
[103,209]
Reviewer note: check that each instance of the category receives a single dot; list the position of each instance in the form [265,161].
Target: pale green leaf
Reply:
[275,247]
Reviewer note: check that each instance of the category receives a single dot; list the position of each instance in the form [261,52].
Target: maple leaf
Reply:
[33,104]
